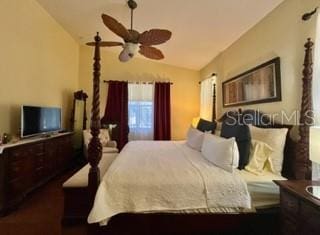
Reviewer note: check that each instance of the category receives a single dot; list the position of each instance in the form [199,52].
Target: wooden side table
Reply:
[300,212]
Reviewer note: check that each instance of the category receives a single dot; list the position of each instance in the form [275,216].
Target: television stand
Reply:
[48,135]
[30,163]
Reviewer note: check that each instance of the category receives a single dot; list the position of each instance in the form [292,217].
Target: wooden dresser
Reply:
[29,164]
[300,212]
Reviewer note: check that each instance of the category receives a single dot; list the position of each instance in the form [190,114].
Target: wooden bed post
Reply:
[302,167]
[95,147]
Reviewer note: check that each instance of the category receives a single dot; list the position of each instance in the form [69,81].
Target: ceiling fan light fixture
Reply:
[128,52]
[124,56]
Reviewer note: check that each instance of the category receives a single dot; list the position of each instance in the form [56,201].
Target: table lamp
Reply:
[195,122]
[314,157]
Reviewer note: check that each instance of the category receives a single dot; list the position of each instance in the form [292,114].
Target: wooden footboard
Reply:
[173,224]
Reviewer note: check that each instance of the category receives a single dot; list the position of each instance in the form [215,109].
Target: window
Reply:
[140,109]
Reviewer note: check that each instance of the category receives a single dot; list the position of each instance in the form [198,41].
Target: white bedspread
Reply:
[156,176]
[263,191]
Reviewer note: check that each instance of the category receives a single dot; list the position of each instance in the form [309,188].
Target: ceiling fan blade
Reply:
[154,37]
[106,44]
[151,52]
[116,27]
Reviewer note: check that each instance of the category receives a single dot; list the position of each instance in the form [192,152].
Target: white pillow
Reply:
[195,138]
[276,139]
[221,152]
[259,155]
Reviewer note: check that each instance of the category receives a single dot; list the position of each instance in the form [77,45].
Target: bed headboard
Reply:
[297,164]
[262,120]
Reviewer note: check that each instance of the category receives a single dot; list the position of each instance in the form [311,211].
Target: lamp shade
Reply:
[315,144]
[129,50]
[195,122]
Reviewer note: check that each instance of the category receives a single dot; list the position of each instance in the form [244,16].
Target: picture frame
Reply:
[261,84]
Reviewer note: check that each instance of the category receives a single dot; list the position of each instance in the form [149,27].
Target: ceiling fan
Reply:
[133,40]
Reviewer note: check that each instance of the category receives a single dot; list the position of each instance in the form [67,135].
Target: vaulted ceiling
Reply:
[201,28]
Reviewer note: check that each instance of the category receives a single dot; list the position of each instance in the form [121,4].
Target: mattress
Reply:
[263,191]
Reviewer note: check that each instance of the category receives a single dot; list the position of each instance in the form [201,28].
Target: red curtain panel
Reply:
[116,111]
[162,113]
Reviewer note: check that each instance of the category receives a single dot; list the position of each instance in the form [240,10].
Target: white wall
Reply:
[38,63]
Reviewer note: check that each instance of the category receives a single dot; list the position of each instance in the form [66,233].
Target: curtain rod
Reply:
[132,82]
[212,75]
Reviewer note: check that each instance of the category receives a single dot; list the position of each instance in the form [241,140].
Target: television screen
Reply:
[37,120]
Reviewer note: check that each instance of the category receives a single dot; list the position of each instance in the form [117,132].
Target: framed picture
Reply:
[261,84]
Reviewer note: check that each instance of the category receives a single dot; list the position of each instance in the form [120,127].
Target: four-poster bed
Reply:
[296,166]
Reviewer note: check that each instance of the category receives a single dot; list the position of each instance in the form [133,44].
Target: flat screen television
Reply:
[39,120]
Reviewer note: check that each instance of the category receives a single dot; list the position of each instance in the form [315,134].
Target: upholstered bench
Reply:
[76,202]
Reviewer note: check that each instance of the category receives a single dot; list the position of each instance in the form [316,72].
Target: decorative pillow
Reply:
[241,132]
[221,152]
[103,136]
[219,126]
[217,133]
[195,138]
[276,139]
[259,154]
[206,126]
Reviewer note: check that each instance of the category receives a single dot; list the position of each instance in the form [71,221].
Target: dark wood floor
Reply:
[41,213]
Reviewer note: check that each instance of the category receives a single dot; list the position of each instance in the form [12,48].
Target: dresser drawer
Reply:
[37,149]
[39,160]
[40,174]
[288,226]
[18,154]
[16,187]
[16,169]
[289,204]
[310,217]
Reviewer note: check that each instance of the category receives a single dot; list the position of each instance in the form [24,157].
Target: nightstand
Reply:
[300,212]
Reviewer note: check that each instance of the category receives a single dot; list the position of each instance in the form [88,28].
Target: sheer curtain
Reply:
[206,99]
[141,106]
[316,91]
